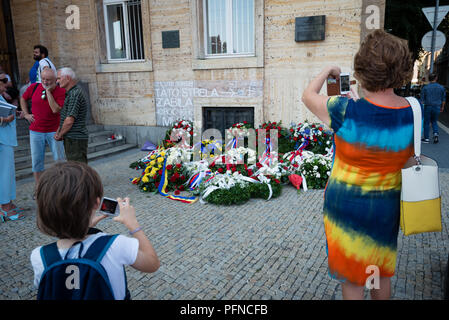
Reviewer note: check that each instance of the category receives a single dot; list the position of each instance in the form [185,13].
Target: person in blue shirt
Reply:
[433,97]
[33,72]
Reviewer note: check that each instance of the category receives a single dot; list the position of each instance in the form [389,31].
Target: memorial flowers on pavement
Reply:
[234,174]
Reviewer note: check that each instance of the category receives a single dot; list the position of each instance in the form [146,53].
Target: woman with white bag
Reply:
[373,139]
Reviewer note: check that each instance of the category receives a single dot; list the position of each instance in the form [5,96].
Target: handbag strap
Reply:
[416,108]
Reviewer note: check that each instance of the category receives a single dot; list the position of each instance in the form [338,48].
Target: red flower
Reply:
[177,192]
[258,165]
[156,184]
[178,166]
[172,179]
[169,167]
[176,175]
[159,172]
[245,122]
[233,169]
[220,170]
[281,161]
[250,172]
[291,130]
[181,187]
[277,181]
[182,177]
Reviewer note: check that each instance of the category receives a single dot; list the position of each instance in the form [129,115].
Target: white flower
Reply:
[315,168]
[328,173]
[318,175]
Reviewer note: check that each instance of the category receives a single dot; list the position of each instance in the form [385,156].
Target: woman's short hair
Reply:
[66,196]
[383,62]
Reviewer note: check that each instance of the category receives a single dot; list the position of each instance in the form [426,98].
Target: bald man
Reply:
[47,100]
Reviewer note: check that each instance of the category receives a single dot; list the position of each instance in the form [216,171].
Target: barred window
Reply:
[123,24]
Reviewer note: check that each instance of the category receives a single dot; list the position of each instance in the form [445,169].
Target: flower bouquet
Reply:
[181,129]
[316,171]
[311,136]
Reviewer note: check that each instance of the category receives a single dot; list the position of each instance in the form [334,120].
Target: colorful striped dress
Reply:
[362,197]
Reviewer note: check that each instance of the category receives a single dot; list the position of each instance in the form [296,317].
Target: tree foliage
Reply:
[406,20]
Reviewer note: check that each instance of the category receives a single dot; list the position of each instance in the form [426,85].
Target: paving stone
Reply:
[260,250]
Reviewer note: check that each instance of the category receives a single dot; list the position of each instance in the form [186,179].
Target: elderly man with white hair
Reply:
[47,100]
[73,129]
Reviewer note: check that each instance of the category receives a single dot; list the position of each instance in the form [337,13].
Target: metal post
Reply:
[434,35]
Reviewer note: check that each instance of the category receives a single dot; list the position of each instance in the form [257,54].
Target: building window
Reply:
[124,36]
[229,27]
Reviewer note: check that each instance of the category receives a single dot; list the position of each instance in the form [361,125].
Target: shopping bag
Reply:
[420,192]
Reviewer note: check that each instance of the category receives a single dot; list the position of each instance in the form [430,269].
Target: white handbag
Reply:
[420,192]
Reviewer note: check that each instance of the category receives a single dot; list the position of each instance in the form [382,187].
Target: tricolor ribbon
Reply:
[266,157]
[163,185]
[299,150]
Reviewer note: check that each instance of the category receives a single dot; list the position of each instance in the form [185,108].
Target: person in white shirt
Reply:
[71,184]
[40,53]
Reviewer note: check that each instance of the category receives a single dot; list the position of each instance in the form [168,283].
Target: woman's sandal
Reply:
[6,215]
[3,215]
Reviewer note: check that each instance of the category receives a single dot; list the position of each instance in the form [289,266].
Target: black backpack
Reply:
[83,278]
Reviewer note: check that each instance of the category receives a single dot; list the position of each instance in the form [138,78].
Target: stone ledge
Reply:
[145,66]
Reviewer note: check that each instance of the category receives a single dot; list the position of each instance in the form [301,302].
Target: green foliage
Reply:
[227,197]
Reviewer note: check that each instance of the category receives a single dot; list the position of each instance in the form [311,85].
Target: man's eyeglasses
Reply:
[4,80]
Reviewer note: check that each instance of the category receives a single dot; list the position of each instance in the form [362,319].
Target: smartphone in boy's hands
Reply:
[109,207]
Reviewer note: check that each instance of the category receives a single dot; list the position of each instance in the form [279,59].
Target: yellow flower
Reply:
[152,163]
[147,169]
[162,153]
[145,179]
[153,156]
[160,159]
[144,188]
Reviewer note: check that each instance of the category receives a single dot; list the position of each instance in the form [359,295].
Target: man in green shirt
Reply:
[73,129]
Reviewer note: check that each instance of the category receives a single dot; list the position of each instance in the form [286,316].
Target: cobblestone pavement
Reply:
[260,250]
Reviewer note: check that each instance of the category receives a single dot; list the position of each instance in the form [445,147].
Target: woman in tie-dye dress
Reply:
[373,138]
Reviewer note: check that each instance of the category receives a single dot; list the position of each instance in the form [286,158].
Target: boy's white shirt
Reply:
[122,252]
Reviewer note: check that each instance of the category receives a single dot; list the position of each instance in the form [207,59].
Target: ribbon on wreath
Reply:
[299,150]
[196,179]
[266,156]
[163,185]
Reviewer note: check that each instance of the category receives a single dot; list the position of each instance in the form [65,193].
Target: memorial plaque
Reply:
[170,39]
[310,28]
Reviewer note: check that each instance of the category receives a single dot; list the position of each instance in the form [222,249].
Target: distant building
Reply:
[148,63]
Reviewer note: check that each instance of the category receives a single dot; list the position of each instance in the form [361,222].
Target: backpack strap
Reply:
[50,254]
[98,249]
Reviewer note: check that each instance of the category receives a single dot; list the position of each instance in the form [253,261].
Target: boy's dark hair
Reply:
[42,49]
[66,195]
[432,76]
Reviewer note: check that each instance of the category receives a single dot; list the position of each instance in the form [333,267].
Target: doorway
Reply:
[8,57]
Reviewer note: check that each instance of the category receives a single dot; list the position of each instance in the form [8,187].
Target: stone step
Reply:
[23,147]
[23,159]
[27,172]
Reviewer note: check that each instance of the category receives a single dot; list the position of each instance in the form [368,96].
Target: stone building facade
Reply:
[183,69]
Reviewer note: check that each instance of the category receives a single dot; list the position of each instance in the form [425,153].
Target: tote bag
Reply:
[420,192]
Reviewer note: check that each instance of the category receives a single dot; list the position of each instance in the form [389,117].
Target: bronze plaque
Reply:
[310,28]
